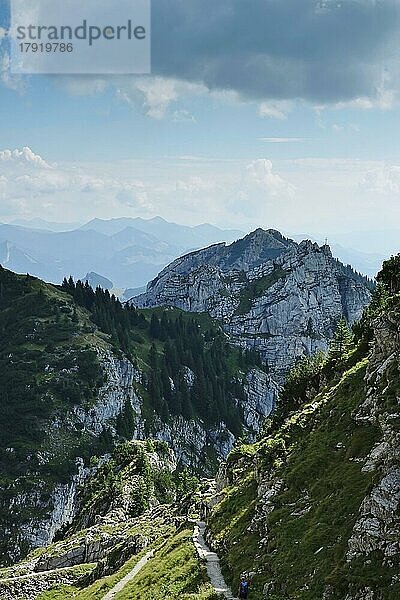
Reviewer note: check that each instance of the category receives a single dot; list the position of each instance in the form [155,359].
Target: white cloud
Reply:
[274,110]
[154,96]
[384,100]
[260,174]
[24,156]
[385,180]
[30,186]
[283,140]
[385,96]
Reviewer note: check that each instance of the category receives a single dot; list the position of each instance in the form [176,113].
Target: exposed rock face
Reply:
[261,396]
[31,587]
[191,439]
[272,294]
[120,376]
[378,526]
[62,501]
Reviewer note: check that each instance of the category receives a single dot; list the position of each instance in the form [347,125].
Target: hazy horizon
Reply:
[262,138]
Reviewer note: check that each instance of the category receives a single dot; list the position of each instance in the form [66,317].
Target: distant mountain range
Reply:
[129,252]
[43,224]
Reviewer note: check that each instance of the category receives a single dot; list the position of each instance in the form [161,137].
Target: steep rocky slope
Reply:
[312,509]
[79,373]
[282,298]
[130,503]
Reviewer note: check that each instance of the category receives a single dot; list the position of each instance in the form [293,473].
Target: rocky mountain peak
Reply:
[254,249]
[272,294]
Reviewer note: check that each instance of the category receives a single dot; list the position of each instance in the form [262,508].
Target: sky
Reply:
[264,113]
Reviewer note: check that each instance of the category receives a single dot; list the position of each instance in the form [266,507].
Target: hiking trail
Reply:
[125,580]
[212,562]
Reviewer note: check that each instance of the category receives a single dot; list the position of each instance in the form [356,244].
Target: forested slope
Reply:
[80,373]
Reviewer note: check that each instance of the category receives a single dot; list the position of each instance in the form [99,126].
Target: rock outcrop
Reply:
[62,505]
[378,526]
[281,298]
[261,397]
[119,378]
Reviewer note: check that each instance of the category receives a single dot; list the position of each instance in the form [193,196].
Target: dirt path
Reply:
[122,583]
[212,562]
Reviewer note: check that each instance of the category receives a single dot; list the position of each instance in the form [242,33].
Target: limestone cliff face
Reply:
[272,294]
[120,376]
[261,396]
[62,504]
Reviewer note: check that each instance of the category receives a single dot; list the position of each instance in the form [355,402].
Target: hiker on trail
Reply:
[244,588]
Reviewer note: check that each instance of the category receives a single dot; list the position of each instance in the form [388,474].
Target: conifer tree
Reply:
[125,424]
[390,274]
[153,357]
[342,341]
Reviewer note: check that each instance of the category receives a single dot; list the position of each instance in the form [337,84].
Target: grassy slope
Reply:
[174,573]
[316,454]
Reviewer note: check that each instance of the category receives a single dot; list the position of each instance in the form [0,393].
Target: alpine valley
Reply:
[253,385]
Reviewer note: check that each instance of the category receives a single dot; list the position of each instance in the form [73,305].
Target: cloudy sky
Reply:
[272,113]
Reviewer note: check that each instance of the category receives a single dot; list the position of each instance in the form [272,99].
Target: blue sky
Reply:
[217,133]
[76,126]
